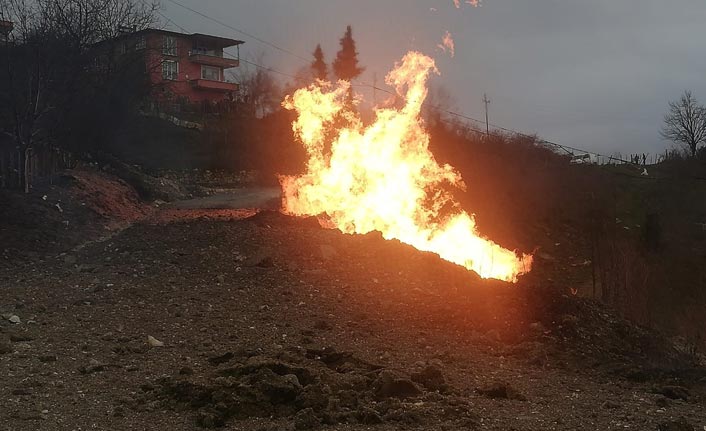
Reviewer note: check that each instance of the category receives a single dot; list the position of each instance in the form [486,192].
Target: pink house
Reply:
[188,66]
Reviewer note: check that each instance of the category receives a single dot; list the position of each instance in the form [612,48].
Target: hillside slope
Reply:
[273,323]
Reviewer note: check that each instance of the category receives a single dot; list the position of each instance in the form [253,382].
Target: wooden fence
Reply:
[34,164]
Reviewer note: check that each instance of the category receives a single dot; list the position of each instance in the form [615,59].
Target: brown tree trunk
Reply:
[27,170]
[19,165]
[3,170]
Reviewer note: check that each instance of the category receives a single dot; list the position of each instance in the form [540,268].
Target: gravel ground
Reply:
[204,319]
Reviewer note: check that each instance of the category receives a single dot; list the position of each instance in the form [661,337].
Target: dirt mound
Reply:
[313,388]
[148,187]
[420,286]
[109,198]
[278,326]
[79,205]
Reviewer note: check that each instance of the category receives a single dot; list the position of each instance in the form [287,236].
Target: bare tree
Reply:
[263,91]
[48,68]
[685,123]
[260,90]
[85,22]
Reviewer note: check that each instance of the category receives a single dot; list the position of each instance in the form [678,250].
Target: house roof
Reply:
[222,42]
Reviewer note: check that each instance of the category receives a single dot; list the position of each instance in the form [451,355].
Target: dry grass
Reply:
[644,237]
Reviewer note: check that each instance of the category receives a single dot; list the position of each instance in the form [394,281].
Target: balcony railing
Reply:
[213,60]
[207,84]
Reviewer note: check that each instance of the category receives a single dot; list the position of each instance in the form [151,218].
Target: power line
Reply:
[270,44]
[229,54]
[486,102]
[567,148]
[171,21]
[259,66]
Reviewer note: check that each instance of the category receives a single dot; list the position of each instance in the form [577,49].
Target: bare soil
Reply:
[76,206]
[263,322]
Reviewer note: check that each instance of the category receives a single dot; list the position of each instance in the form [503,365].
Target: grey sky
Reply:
[590,74]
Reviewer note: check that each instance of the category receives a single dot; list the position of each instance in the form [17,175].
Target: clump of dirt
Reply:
[501,390]
[109,198]
[312,388]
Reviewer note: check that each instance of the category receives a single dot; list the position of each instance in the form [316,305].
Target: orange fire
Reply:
[474,3]
[447,44]
[383,176]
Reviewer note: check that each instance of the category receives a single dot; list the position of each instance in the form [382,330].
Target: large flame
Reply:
[383,177]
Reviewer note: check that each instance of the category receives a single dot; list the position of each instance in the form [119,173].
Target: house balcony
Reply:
[213,60]
[206,84]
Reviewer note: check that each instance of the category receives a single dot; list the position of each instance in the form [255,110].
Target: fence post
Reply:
[2,169]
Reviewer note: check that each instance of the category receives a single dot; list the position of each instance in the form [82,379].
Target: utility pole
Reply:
[375,87]
[486,101]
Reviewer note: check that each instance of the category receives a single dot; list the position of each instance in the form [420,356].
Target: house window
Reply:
[170,70]
[141,43]
[169,46]
[210,73]
[200,49]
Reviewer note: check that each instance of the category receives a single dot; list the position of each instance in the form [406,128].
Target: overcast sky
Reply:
[590,74]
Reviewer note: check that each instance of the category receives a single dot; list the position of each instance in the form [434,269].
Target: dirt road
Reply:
[255,197]
[271,323]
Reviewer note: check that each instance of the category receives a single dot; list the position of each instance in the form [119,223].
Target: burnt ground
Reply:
[268,323]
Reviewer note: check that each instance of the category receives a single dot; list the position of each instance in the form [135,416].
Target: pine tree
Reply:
[318,66]
[345,66]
